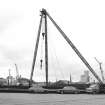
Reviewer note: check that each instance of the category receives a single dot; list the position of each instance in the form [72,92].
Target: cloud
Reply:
[5,21]
[7,17]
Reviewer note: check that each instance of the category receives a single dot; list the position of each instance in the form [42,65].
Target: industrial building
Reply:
[85,77]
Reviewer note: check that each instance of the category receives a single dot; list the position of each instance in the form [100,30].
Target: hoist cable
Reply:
[52,63]
[42,46]
[58,64]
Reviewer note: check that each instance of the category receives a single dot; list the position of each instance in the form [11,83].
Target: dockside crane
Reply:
[44,15]
[100,66]
[17,72]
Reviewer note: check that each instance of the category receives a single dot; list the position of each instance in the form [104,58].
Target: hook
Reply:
[41,61]
[43,34]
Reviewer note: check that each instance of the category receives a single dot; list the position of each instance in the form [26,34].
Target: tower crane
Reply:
[70,79]
[100,66]
[44,15]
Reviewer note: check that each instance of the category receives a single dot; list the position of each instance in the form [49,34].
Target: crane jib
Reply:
[73,47]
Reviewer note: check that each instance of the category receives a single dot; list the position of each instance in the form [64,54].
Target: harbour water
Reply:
[51,99]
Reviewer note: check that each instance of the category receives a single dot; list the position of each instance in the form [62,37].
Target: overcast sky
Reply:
[82,20]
